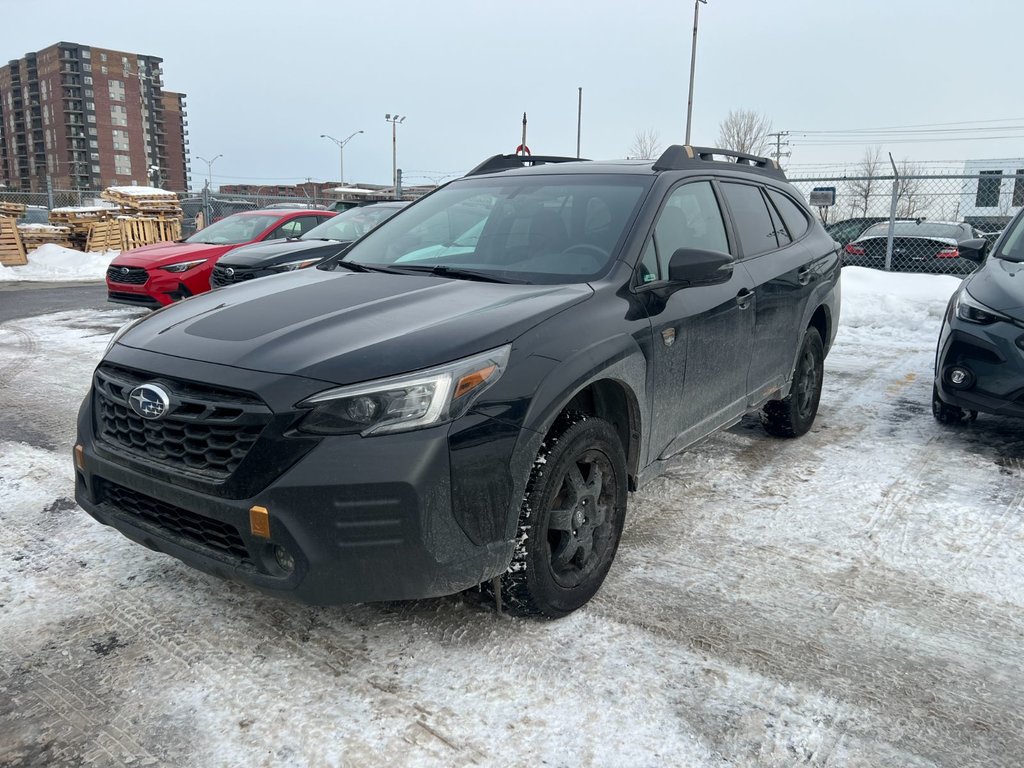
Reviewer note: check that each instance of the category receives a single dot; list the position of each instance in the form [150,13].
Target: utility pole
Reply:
[778,137]
[579,119]
[394,120]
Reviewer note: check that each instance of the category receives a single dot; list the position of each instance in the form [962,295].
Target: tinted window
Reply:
[915,229]
[792,214]
[351,224]
[751,219]
[781,234]
[239,228]
[691,218]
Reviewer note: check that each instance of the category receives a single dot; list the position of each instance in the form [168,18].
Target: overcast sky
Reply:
[265,79]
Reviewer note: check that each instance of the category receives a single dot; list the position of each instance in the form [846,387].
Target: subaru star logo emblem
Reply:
[150,401]
[230,271]
[124,270]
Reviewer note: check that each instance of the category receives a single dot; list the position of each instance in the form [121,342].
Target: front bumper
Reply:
[160,289]
[364,519]
[994,356]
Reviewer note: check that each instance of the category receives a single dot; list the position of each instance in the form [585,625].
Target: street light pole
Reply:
[341,152]
[394,120]
[209,168]
[693,62]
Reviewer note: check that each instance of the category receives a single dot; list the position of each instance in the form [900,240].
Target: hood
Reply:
[161,254]
[346,327]
[280,251]
[999,284]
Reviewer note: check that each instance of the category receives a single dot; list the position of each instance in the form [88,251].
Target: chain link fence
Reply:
[915,223]
[197,207]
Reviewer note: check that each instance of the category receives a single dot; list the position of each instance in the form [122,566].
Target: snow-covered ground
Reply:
[851,598]
[51,262]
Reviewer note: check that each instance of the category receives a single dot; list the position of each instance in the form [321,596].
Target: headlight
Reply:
[973,311]
[288,266]
[183,266]
[410,401]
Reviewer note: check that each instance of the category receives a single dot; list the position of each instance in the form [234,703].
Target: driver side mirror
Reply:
[694,266]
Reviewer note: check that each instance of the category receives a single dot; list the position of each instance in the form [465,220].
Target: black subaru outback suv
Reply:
[467,395]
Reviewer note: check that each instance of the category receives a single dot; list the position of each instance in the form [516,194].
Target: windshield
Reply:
[924,229]
[535,229]
[239,228]
[351,224]
[1012,248]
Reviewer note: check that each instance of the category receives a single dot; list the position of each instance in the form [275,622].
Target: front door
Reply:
[701,334]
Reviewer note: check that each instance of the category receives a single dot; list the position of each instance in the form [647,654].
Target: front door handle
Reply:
[743,298]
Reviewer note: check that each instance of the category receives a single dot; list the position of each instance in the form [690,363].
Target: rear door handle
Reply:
[743,298]
[804,276]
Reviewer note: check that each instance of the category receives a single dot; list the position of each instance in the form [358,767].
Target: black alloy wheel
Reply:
[571,520]
[794,415]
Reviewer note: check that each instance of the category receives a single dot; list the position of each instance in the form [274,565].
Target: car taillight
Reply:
[948,253]
[855,250]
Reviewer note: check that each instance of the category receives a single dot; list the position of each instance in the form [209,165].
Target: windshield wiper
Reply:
[457,273]
[355,266]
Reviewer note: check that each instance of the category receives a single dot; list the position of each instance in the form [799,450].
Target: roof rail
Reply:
[680,157]
[507,162]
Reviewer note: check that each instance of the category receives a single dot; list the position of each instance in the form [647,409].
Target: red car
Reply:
[155,275]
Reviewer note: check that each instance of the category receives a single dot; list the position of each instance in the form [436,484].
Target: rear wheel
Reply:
[570,521]
[794,415]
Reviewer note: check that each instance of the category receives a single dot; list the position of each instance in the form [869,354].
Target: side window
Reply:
[750,216]
[792,214]
[649,263]
[691,218]
[294,227]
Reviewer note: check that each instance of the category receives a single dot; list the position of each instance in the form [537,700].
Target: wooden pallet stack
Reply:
[146,215]
[80,222]
[12,250]
[35,235]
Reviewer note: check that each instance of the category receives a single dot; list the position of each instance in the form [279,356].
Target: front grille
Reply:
[221,537]
[221,276]
[130,275]
[208,431]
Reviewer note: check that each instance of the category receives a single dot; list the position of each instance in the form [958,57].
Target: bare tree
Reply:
[910,197]
[744,130]
[864,185]
[646,145]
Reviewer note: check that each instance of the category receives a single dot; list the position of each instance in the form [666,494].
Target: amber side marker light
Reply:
[80,457]
[471,381]
[259,522]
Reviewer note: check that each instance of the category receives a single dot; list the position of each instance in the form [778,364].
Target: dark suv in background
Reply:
[468,393]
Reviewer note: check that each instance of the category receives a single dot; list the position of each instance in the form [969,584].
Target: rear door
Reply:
[776,257]
[702,334]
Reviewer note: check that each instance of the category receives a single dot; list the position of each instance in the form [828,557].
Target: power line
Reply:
[919,125]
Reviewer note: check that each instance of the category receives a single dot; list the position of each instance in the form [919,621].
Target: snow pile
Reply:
[54,262]
[141,192]
[893,305]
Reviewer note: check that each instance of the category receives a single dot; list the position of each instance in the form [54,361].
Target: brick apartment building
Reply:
[88,118]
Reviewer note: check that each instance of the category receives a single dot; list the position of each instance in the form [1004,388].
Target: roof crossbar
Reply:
[680,157]
[507,162]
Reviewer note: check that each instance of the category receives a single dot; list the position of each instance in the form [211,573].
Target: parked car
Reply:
[157,275]
[847,230]
[410,419]
[324,240]
[979,361]
[918,246]
[35,214]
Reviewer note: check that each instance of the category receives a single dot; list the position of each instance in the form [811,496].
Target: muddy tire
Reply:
[949,414]
[794,415]
[570,521]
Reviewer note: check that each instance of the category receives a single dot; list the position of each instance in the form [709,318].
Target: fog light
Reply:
[284,558]
[959,377]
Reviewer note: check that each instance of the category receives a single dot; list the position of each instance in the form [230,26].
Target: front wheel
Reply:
[570,521]
[945,413]
[793,416]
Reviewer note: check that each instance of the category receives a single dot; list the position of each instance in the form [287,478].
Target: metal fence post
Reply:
[892,221]
[49,192]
